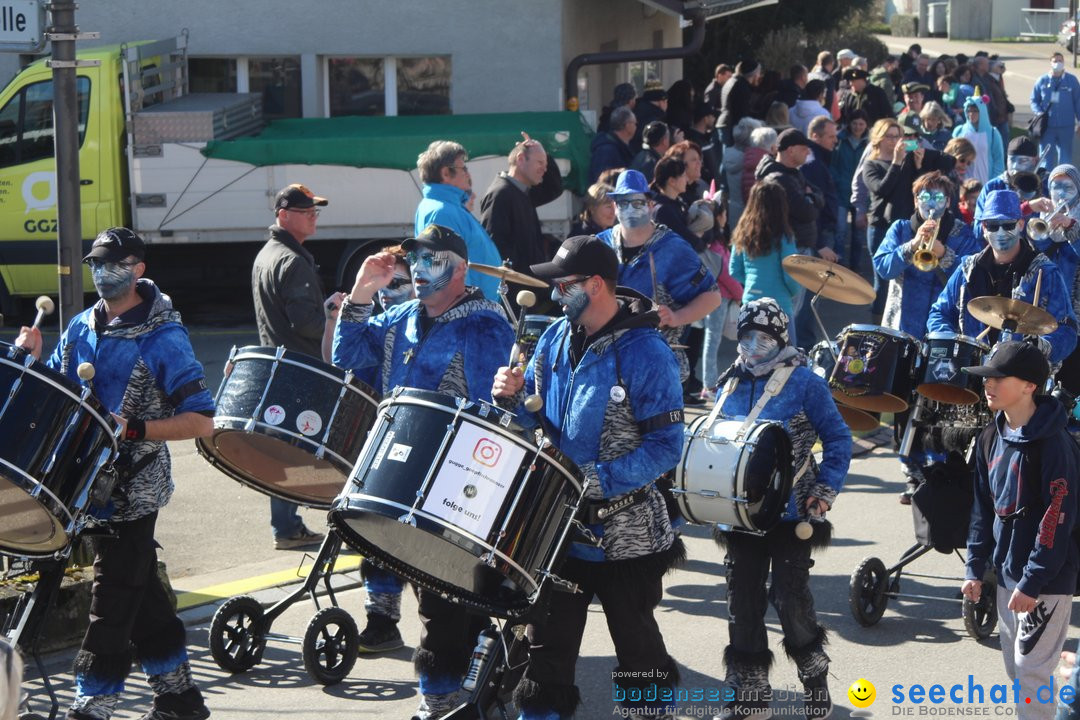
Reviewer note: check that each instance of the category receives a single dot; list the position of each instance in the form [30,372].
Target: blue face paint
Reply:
[400,290]
[1002,240]
[931,204]
[1063,190]
[757,346]
[1021,163]
[112,280]
[573,299]
[431,271]
[632,211]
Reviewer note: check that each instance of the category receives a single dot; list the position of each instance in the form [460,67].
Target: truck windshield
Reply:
[26,122]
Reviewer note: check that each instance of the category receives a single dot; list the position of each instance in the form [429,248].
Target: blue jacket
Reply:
[608,152]
[1066,255]
[146,369]
[972,279]
[892,261]
[1066,111]
[807,410]
[765,277]
[1033,553]
[1001,182]
[459,355]
[622,439]
[844,162]
[445,205]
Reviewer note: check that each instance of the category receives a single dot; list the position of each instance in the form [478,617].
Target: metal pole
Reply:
[1072,17]
[62,35]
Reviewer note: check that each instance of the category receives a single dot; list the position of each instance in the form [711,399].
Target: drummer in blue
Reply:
[612,402]
[451,339]
[1008,267]
[147,375]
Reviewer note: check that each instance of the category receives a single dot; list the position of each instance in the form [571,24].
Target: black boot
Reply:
[748,674]
[816,697]
[380,635]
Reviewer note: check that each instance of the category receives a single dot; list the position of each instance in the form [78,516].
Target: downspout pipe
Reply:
[697,39]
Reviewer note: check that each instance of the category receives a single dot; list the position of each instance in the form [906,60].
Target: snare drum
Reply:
[873,371]
[55,438]
[288,425]
[453,496]
[939,376]
[739,484]
[822,359]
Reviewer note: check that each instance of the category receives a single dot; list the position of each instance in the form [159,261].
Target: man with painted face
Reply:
[148,377]
[1008,267]
[1021,168]
[1057,93]
[912,291]
[659,264]
[770,377]
[612,404]
[451,339]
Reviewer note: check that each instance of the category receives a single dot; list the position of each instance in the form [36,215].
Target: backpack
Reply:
[1034,458]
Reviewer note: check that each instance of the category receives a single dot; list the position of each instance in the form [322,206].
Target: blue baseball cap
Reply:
[1001,205]
[630,182]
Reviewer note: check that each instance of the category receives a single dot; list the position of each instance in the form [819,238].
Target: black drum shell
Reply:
[436,555]
[873,371]
[280,460]
[938,374]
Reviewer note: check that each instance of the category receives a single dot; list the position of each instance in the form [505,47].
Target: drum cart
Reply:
[330,646]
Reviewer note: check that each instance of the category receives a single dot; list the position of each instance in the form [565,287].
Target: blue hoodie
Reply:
[989,148]
[1033,552]
[445,205]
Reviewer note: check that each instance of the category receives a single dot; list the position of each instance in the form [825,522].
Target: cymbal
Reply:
[1012,315]
[505,273]
[840,284]
[858,420]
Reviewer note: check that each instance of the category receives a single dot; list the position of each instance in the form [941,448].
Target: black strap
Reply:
[597,511]
[186,390]
[658,422]
[141,464]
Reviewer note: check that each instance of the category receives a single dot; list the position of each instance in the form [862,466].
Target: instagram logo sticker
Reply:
[487,452]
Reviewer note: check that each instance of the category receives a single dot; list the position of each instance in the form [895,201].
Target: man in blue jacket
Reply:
[1023,517]
[447,188]
[450,339]
[1007,267]
[612,404]
[1057,93]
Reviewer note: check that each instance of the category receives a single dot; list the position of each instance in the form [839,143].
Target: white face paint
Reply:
[632,211]
[1000,237]
[431,271]
[570,294]
[1063,190]
[1021,163]
[398,291]
[112,280]
[757,346]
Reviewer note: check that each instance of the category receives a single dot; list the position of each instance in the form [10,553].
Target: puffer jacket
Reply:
[445,205]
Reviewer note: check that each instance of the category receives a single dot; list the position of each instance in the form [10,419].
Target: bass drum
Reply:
[737,484]
[55,439]
[288,425]
[453,496]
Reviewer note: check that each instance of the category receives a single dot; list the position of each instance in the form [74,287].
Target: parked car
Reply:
[1067,33]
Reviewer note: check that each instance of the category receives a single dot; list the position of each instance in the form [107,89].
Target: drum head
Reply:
[274,467]
[885,402]
[767,478]
[949,394]
[26,526]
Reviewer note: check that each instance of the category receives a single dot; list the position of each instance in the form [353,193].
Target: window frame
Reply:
[20,126]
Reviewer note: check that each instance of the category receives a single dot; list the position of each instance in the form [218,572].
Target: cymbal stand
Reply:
[503,291]
[829,275]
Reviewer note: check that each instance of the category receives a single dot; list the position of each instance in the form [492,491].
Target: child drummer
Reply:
[770,379]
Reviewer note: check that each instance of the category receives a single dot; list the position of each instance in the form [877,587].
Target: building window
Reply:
[277,79]
[356,86]
[641,72]
[212,75]
[26,122]
[423,85]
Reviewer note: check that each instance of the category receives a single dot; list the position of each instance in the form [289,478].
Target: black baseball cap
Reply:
[437,237]
[297,197]
[1014,359]
[854,73]
[115,244]
[585,255]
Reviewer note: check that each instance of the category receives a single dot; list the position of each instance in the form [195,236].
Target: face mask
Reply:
[1002,240]
[572,298]
[112,280]
[931,204]
[431,271]
[1021,163]
[629,216]
[1057,67]
[757,346]
[398,291]
[1063,190]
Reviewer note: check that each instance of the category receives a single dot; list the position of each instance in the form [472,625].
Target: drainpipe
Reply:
[697,18]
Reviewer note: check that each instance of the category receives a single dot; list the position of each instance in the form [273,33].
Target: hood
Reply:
[1048,420]
[604,138]
[642,310]
[1074,175]
[878,73]
[984,114]
[446,193]
[767,165]
[158,311]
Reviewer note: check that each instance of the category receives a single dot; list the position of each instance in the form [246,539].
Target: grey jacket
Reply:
[288,295]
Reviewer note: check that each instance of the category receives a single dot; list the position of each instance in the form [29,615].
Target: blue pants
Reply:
[285,519]
[1060,141]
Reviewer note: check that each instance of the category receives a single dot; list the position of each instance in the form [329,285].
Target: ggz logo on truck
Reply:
[34,202]
[40,226]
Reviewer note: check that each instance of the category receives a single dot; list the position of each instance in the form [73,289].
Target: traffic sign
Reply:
[22,26]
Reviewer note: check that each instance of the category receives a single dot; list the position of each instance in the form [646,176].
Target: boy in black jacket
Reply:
[1022,519]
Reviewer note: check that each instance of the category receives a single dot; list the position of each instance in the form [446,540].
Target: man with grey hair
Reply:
[611,149]
[447,187]
[734,162]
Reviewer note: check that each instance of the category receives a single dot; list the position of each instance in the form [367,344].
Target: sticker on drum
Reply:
[274,415]
[308,422]
[473,482]
[399,452]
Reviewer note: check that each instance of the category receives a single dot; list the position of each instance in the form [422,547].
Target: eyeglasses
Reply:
[936,196]
[95,263]
[637,204]
[311,212]
[564,286]
[426,258]
[892,136]
[398,283]
[995,226]
[463,168]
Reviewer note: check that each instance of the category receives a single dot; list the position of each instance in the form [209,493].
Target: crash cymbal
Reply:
[840,284]
[505,273]
[1012,315]
[858,420]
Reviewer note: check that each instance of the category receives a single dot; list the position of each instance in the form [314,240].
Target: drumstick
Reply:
[86,372]
[984,333]
[652,269]
[525,299]
[1038,287]
[45,306]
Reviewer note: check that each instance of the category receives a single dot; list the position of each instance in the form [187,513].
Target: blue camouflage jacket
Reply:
[145,368]
[918,288]
[618,414]
[459,354]
[445,205]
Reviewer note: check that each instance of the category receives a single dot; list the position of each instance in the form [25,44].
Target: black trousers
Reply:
[447,638]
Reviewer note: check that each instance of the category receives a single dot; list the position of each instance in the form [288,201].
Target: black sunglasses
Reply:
[994,226]
[398,282]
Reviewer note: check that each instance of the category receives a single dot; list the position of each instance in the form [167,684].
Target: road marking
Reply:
[192,598]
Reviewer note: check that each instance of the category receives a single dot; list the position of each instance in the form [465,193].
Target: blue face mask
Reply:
[757,346]
[631,217]
[398,291]
[112,280]
[431,271]
[573,299]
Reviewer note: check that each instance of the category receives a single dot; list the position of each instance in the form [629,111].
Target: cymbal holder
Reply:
[829,275]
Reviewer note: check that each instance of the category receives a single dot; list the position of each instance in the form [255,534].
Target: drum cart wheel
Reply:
[331,645]
[237,639]
[980,618]
[866,596]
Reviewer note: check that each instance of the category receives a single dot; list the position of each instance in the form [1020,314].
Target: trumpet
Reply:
[924,258]
[1039,228]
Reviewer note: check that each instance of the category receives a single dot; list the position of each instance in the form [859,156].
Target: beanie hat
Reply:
[764,314]
[1024,146]
[745,67]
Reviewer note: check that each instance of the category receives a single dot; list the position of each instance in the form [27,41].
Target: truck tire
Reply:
[354,257]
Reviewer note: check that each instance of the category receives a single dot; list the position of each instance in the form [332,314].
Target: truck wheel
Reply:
[354,257]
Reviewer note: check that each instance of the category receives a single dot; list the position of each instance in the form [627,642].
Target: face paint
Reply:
[572,298]
[931,203]
[1057,67]
[1021,163]
[431,271]
[398,291]
[112,280]
[757,346]
[1063,190]
[1001,239]
[632,211]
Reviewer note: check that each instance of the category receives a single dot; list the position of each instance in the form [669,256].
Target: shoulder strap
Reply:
[776,383]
